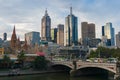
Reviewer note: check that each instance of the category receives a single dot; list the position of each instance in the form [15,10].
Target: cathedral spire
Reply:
[25,46]
[14,32]
[18,38]
[14,39]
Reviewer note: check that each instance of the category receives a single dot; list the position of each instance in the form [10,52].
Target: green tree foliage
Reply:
[93,54]
[103,52]
[21,57]
[40,63]
[6,62]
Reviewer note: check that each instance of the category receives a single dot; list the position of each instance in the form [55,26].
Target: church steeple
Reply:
[25,46]
[14,32]
[13,39]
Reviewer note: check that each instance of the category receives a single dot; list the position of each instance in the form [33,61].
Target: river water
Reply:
[52,76]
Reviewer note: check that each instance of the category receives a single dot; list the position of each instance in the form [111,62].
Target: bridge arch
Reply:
[64,65]
[98,67]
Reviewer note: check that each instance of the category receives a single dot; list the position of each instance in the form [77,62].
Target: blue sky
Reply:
[27,14]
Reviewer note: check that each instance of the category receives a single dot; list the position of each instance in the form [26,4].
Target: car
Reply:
[112,60]
[88,60]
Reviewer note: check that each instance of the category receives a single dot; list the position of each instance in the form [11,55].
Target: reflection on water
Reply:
[53,76]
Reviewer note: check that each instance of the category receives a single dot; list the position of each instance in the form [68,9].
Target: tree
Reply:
[6,61]
[93,54]
[21,57]
[40,63]
[106,53]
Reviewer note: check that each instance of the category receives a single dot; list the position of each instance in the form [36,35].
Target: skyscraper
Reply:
[108,32]
[118,40]
[87,31]
[5,36]
[71,30]
[32,38]
[60,34]
[54,35]
[46,27]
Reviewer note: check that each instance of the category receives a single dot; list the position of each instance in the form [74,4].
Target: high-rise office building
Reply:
[118,40]
[32,38]
[5,36]
[46,27]
[108,32]
[71,30]
[54,35]
[87,32]
[60,34]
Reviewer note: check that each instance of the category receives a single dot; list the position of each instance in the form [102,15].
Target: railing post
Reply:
[72,72]
[74,64]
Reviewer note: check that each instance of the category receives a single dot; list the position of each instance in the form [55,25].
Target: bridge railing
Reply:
[99,64]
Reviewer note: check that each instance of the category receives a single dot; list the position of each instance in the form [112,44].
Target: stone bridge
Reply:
[79,65]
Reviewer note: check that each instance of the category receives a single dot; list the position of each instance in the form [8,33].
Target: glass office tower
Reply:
[108,31]
[71,30]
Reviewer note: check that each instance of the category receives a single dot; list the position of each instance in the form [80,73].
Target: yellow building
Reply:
[1,50]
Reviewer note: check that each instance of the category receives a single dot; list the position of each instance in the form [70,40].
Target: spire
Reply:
[46,12]
[13,39]
[70,10]
[18,38]
[14,30]
[25,40]
[25,46]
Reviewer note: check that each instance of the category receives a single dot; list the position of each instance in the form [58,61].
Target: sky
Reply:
[26,15]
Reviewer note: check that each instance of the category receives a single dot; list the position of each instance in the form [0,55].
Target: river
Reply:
[52,76]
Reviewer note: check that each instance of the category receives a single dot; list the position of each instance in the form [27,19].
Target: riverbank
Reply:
[24,72]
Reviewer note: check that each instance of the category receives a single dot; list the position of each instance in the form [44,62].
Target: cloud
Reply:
[27,14]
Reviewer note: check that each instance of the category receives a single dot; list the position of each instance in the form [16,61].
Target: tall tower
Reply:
[32,38]
[60,34]
[54,35]
[14,39]
[5,36]
[46,27]
[71,30]
[87,32]
[108,32]
[118,40]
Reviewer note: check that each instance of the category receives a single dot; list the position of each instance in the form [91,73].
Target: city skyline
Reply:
[27,14]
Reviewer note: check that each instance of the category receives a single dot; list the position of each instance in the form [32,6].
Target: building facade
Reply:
[46,27]
[118,40]
[32,38]
[1,50]
[60,34]
[93,43]
[71,30]
[54,35]
[108,31]
[87,32]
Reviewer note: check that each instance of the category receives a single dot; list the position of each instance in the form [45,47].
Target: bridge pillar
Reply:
[117,75]
[72,72]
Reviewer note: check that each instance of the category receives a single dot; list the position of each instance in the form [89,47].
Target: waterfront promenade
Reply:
[18,72]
